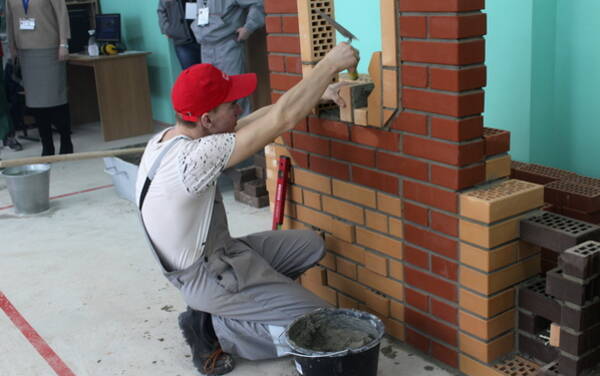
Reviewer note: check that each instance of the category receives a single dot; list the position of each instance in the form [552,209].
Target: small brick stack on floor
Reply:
[568,296]
[249,183]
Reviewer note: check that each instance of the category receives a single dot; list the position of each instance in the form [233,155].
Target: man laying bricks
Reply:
[240,292]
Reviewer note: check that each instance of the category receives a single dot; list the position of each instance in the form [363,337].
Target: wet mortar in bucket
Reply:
[331,342]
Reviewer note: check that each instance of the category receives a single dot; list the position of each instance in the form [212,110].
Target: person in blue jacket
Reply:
[172,23]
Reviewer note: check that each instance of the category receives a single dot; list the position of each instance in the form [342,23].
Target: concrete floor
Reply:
[81,276]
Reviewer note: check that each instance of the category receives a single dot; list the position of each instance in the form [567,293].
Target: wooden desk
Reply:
[115,91]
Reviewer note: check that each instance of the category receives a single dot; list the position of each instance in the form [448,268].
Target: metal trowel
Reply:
[346,34]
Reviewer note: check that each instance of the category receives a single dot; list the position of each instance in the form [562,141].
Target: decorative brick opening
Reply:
[422,226]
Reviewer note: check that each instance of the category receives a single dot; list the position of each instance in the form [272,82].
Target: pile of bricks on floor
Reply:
[566,193]
[249,183]
[559,314]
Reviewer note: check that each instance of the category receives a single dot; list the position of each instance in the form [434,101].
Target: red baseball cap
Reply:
[202,88]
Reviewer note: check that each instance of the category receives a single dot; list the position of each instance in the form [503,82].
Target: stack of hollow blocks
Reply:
[565,193]
[559,314]
[249,182]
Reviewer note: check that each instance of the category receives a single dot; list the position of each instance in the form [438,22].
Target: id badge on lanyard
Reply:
[203,16]
[26,23]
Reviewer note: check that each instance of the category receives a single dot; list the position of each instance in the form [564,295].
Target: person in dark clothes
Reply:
[172,23]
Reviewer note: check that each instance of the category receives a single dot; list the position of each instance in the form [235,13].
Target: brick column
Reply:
[387,199]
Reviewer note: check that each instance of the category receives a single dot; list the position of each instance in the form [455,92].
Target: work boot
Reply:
[207,355]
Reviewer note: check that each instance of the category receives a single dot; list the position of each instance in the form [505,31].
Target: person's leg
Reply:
[42,120]
[188,54]
[230,57]
[61,118]
[290,252]
[251,303]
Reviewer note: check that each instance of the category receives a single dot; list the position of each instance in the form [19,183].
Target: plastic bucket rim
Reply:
[41,169]
[300,351]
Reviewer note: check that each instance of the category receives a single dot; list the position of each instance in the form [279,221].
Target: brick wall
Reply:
[388,199]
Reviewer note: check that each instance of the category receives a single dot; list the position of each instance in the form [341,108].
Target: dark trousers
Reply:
[60,117]
[188,54]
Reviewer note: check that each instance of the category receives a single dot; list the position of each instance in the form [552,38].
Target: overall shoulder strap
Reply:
[154,169]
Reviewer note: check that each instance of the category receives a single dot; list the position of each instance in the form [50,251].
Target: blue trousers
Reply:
[188,54]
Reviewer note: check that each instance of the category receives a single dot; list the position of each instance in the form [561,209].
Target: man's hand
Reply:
[342,56]
[332,93]
[63,53]
[242,34]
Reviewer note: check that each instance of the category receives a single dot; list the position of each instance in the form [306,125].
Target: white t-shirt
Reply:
[179,202]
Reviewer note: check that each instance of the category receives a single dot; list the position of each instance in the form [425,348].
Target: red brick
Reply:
[375,179]
[283,43]
[329,128]
[328,167]
[456,27]
[417,214]
[287,138]
[444,223]
[497,141]
[432,327]
[444,268]
[440,5]
[417,340]
[300,158]
[445,152]
[273,24]
[293,64]
[276,63]
[403,166]
[353,153]
[444,354]
[444,311]
[290,24]
[457,105]
[283,81]
[430,283]
[417,300]
[458,79]
[429,240]
[416,257]
[431,196]
[411,122]
[413,75]
[457,130]
[311,143]
[450,53]
[457,178]
[281,6]
[275,96]
[302,126]
[413,26]
[375,138]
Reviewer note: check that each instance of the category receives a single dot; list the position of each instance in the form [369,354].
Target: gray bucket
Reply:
[29,187]
[336,342]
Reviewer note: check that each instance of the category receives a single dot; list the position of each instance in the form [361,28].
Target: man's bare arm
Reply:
[252,117]
[293,106]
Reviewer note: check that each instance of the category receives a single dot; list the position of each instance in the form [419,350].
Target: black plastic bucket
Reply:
[355,359]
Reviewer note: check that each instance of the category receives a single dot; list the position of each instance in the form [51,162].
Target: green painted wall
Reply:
[365,23]
[578,83]
[140,32]
[509,59]
[543,63]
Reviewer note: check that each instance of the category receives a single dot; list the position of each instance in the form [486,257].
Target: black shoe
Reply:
[208,358]
[13,144]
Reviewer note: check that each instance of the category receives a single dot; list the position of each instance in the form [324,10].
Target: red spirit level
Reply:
[282,181]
